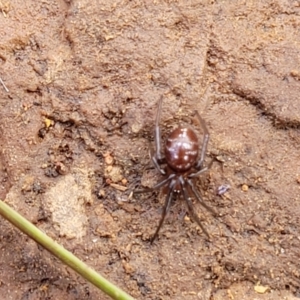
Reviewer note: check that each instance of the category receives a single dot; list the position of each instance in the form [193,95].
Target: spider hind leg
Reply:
[190,207]
[166,208]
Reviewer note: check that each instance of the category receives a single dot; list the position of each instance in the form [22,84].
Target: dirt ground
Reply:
[83,80]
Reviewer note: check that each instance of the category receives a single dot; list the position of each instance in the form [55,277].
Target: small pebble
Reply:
[261,289]
[109,160]
[101,193]
[48,122]
[245,188]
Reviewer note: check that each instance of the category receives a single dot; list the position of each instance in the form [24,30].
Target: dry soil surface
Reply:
[81,82]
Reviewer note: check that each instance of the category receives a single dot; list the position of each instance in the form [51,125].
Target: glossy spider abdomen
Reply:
[181,149]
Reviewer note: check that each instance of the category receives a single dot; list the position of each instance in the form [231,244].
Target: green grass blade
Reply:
[62,254]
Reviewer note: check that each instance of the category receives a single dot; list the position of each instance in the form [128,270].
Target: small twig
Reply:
[6,89]
[119,187]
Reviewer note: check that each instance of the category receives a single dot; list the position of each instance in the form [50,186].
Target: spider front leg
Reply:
[204,143]
[157,157]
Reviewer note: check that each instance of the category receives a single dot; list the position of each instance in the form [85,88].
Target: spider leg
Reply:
[157,135]
[190,206]
[165,209]
[157,166]
[156,157]
[192,175]
[156,187]
[155,161]
[198,197]
[205,141]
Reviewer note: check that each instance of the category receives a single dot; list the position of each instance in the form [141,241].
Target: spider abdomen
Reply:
[181,150]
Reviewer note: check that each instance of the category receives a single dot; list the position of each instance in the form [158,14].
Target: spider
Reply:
[182,166]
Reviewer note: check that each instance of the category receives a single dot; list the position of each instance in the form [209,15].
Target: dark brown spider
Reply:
[182,166]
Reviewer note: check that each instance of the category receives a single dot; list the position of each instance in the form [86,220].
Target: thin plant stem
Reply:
[62,254]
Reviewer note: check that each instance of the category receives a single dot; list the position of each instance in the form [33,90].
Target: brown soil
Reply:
[84,78]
